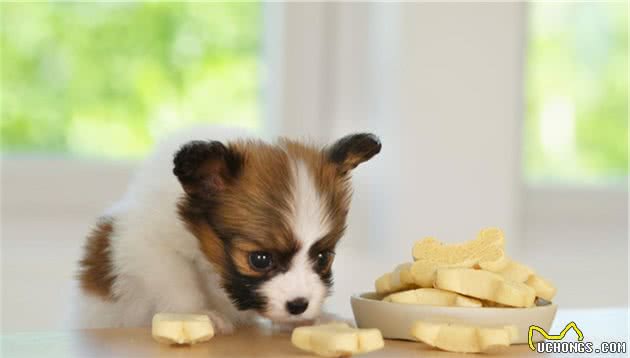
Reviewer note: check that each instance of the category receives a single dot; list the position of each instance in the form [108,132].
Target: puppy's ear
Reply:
[352,150]
[205,168]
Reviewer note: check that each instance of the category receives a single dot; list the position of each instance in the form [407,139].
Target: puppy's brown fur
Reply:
[95,269]
[256,203]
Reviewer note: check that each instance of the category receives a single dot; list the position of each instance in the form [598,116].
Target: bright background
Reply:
[511,115]
[76,75]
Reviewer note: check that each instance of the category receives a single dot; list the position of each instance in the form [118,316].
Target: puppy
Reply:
[233,228]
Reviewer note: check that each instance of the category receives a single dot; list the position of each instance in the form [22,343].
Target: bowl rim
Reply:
[360,297]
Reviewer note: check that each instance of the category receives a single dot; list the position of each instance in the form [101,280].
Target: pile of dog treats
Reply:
[476,273]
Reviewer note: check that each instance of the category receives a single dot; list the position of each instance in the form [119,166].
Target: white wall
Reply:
[441,84]
[454,166]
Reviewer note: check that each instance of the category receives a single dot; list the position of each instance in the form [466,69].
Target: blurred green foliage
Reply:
[105,79]
[576,127]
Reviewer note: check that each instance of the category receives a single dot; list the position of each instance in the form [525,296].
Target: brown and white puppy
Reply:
[233,228]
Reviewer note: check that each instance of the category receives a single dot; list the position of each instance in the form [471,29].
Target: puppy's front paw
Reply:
[326,317]
[221,324]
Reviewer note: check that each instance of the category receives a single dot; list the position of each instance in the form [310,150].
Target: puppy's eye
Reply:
[324,260]
[260,260]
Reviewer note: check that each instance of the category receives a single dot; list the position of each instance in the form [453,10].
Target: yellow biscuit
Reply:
[485,251]
[463,338]
[423,273]
[404,274]
[513,270]
[485,285]
[172,328]
[383,283]
[433,297]
[544,289]
[487,303]
[397,280]
[336,339]
[432,249]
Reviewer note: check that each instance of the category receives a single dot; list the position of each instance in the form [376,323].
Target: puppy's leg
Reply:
[193,302]
[175,286]
[220,322]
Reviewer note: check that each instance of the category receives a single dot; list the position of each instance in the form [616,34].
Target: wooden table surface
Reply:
[597,325]
[249,342]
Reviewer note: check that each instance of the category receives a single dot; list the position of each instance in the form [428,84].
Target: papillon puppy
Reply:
[234,228]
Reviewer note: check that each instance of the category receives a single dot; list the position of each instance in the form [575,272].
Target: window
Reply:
[104,80]
[576,93]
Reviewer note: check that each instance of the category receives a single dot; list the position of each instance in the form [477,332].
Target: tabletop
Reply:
[261,341]
[250,342]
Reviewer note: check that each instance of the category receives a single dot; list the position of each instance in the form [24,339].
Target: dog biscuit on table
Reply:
[544,289]
[336,339]
[485,285]
[172,328]
[463,338]
[433,297]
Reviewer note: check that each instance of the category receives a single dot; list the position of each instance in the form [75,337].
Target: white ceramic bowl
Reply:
[395,319]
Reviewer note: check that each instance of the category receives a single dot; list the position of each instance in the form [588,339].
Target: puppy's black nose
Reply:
[297,306]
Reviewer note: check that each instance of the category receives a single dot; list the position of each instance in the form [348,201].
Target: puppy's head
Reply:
[268,217]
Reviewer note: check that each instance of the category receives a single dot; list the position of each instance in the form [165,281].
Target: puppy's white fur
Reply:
[159,266]
[309,223]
